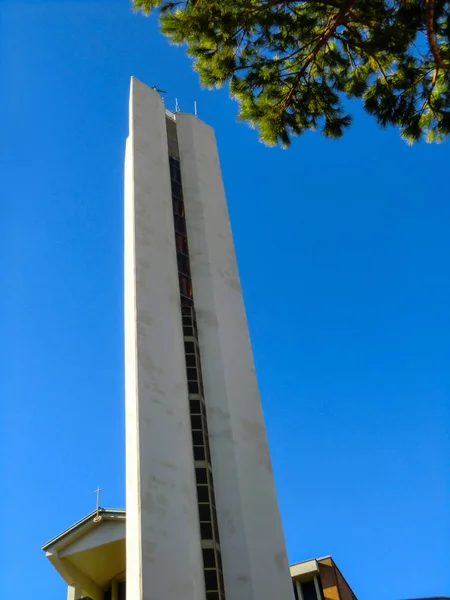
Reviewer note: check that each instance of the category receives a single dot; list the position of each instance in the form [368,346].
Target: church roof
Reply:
[103,512]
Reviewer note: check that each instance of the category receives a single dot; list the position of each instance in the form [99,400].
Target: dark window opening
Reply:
[185,285]
[190,360]
[209,558]
[122,590]
[211,581]
[196,423]
[197,438]
[185,301]
[206,531]
[178,206]
[195,406]
[193,388]
[204,512]
[181,244]
[189,347]
[199,453]
[183,267]
[202,493]
[200,444]
[309,590]
[192,374]
[201,476]
[176,187]
[187,322]
[180,225]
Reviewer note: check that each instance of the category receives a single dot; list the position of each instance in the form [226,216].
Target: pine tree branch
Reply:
[430,36]
[329,30]
[380,67]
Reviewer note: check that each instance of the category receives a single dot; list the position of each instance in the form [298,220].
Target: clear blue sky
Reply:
[344,252]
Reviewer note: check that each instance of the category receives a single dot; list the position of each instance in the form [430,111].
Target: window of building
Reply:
[202,493]
[206,531]
[190,360]
[188,331]
[180,226]
[185,285]
[309,590]
[178,206]
[176,188]
[205,494]
[192,374]
[199,453]
[187,320]
[197,438]
[193,388]
[181,243]
[196,423]
[183,267]
[174,166]
[211,581]
[122,589]
[195,407]
[189,347]
[201,476]
[209,558]
[204,512]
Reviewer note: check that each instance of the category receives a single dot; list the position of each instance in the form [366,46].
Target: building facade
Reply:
[202,512]
[320,579]
[91,558]
[200,490]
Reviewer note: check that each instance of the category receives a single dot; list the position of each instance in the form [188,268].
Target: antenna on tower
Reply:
[195,107]
[177,106]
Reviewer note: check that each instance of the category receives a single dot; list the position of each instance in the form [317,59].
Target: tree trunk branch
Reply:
[329,30]
[430,36]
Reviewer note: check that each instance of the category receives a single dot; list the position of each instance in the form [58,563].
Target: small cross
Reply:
[97,491]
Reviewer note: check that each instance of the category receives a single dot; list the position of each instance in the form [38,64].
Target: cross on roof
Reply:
[97,491]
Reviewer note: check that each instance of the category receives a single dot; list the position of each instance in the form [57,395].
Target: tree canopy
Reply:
[291,65]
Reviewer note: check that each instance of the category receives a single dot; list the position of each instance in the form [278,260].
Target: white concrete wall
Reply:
[162,530]
[252,540]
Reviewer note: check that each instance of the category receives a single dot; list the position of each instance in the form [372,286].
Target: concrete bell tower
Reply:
[202,511]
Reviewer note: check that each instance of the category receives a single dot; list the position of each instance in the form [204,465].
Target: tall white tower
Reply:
[202,514]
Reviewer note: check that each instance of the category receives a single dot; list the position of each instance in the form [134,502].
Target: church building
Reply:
[202,518]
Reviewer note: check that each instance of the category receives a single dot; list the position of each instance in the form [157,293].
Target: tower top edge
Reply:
[135,82]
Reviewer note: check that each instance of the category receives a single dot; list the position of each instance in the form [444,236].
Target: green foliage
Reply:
[290,65]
